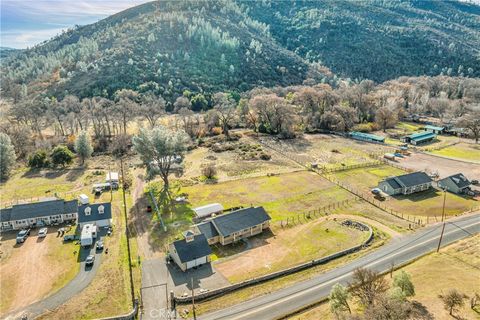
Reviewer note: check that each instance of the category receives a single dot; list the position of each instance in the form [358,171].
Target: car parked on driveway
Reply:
[22,235]
[99,245]
[69,237]
[42,233]
[90,260]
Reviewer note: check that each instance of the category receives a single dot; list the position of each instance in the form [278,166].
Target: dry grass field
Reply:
[457,266]
[289,247]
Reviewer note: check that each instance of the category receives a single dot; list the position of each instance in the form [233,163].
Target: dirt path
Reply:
[141,221]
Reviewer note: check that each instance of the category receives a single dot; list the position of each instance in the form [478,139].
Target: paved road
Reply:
[74,287]
[278,303]
[155,290]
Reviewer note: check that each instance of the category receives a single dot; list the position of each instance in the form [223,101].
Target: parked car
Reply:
[22,235]
[149,208]
[376,191]
[42,233]
[99,245]
[474,182]
[90,260]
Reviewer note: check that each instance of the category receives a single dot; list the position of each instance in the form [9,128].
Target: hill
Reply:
[171,46]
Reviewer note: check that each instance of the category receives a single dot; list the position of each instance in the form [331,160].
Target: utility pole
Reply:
[443,219]
[193,302]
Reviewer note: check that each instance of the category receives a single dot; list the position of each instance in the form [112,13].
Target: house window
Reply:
[101,209]
[88,211]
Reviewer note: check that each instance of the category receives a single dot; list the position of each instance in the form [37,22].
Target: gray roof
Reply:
[408,180]
[40,209]
[5,214]
[227,224]
[188,251]
[459,180]
[207,229]
[94,214]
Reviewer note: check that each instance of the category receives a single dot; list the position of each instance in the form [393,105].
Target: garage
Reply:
[190,252]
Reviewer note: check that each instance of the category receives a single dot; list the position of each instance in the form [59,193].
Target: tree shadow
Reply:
[420,312]
[419,196]
[74,174]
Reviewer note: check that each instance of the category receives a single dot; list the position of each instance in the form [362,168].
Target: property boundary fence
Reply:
[352,167]
[278,274]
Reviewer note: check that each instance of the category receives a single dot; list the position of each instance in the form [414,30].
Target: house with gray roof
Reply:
[456,183]
[190,252]
[99,214]
[234,226]
[45,212]
[406,184]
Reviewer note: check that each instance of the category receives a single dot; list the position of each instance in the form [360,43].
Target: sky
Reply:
[24,23]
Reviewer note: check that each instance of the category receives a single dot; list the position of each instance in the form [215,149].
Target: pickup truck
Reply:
[22,235]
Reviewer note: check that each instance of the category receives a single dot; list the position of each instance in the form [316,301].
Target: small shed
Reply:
[434,129]
[89,232]
[208,210]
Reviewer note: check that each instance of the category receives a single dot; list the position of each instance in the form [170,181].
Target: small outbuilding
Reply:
[419,138]
[83,199]
[456,183]
[366,137]
[99,214]
[190,252]
[112,179]
[434,129]
[89,232]
[208,210]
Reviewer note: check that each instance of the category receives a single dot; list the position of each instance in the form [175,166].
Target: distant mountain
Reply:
[171,46]
[7,52]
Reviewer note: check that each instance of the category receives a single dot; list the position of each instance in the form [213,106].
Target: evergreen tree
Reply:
[83,146]
[61,156]
[7,155]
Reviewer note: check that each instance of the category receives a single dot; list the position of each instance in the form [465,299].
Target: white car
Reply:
[42,233]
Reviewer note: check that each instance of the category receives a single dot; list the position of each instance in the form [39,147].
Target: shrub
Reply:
[265,156]
[209,171]
[216,131]
[38,160]
[62,156]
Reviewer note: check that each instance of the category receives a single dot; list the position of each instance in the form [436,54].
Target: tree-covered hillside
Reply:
[168,47]
[378,40]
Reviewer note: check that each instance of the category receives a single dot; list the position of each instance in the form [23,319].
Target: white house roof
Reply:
[207,210]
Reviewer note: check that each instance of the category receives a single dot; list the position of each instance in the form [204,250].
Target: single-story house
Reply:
[406,184]
[45,212]
[234,226]
[112,178]
[456,183]
[190,252]
[419,137]
[434,129]
[366,137]
[99,214]
[208,210]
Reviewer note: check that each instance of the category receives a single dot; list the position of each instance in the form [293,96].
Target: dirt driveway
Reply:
[444,166]
[34,269]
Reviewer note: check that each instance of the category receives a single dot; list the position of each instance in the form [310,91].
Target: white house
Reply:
[45,212]
[190,252]
[99,214]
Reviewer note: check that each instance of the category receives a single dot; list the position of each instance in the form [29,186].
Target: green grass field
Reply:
[463,151]
[282,195]
[428,203]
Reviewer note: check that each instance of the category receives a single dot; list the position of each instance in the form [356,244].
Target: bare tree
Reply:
[125,103]
[181,102]
[225,107]
[368,286]
[453,300]
[386,118]
[151,108]
[471,122]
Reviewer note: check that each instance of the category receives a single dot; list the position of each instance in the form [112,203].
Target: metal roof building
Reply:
[366,137]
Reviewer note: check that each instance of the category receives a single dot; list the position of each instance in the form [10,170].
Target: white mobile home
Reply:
[89,232]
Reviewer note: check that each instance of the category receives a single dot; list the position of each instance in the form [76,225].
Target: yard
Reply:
[457,266]
[289,247]
[282,196]
[109,293]
[462,151]
[34,269]
[428,203]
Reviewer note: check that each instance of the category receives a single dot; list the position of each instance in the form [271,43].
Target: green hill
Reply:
[171,46]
